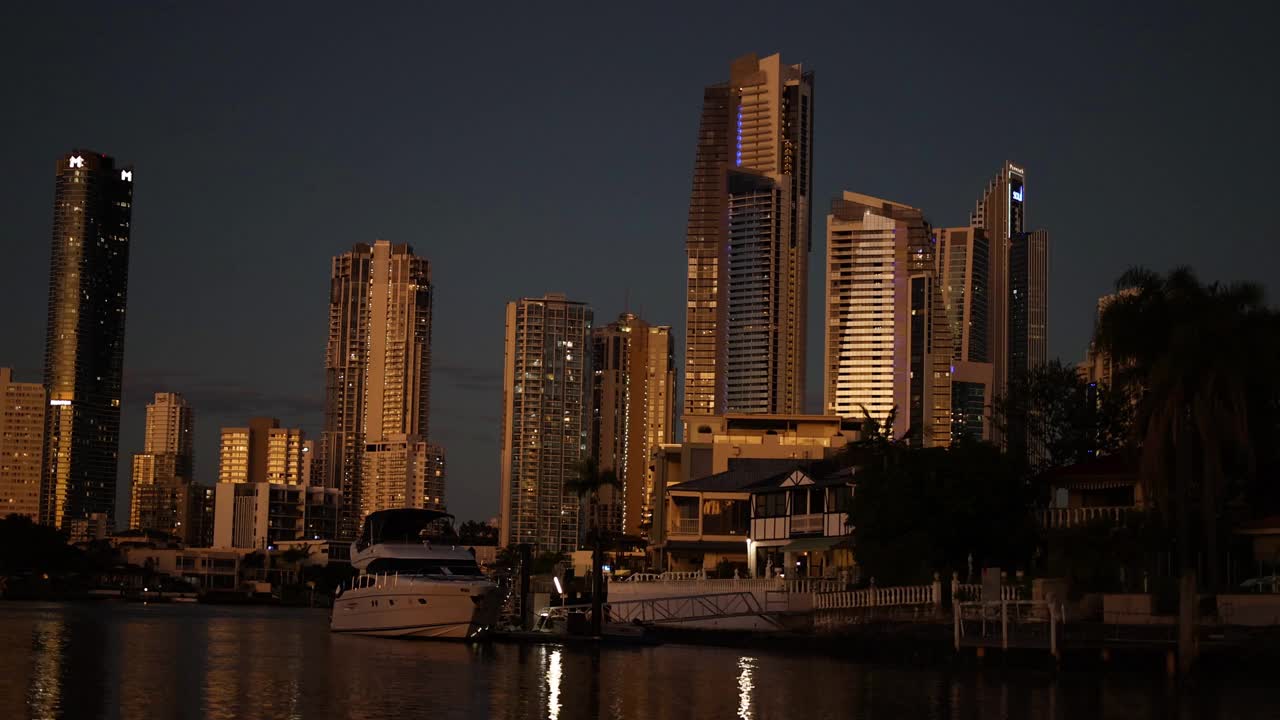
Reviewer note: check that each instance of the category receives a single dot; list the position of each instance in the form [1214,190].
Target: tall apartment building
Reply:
[258,514]
[377,364]
[161,496]
[964,268]
[1028,301]
[261,494]
[888,344]
[84,341]
[546,419]
[309,462]
[22,409]
[748,242]
[262,452]
[633,412]
[1000,213]
[170,430]
[401,471]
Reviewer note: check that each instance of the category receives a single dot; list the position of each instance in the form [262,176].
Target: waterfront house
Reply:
[713,442]
[1105,488]
[800,525]
[708,519]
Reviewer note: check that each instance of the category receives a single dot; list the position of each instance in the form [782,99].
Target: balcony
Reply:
[685,526]
[1061,518]
[806,524]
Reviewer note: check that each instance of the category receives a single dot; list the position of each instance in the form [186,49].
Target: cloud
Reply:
[466,377]
[223,397]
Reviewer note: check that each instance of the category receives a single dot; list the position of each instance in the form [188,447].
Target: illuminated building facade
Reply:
[22,410]
[84,341]
[888,345]
[747,242]
[546,420]
[633,413]
[377,363]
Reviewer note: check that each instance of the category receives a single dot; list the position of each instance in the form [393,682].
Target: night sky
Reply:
[524,152]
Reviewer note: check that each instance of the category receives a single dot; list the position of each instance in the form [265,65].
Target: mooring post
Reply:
[955,615]
[1004,625]
[1053,632]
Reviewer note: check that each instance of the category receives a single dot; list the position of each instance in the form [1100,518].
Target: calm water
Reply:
[135,661]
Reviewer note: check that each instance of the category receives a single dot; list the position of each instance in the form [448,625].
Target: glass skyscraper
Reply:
[748,242]
[84,341]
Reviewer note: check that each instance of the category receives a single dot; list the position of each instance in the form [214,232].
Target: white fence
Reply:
[686,526]
[662,577]
[826,594]
[878,597]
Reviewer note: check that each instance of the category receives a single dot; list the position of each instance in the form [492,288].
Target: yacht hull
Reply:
[417,608]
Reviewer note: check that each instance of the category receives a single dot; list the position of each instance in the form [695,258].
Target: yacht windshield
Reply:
[418,566]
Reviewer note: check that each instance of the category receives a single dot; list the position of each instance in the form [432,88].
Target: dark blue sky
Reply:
[524,151]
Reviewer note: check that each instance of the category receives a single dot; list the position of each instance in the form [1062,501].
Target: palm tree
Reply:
[293,559]
[587,485]
[1188,353]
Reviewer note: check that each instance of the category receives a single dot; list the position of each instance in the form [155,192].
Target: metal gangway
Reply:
[670,609]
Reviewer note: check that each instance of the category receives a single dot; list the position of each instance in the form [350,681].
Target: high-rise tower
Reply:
[84,342]
[160,495]
[1028,301]
[546,419]
[378,362]
[748,242]
[999,213]
[888,343]
[633,412]
[964,270]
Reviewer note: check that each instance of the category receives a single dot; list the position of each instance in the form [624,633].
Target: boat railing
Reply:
[381,581]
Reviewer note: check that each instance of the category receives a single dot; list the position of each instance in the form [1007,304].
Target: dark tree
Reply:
[1202,362]
[1053,418]
[477,533]
[919,511]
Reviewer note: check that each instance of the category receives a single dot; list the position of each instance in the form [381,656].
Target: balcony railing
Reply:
[806,524]
[1058,518]
[684,526]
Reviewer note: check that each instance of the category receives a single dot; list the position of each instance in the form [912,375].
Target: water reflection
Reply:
[745,666]
[554,671]
[126,661]
[44,693]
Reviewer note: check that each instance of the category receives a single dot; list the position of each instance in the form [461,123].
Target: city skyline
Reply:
[183,331]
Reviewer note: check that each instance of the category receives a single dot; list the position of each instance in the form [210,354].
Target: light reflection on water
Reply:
[553,684]
[134,661]
[44,693]
[745,664]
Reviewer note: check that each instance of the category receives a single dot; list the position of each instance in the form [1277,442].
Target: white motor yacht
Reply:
[414,581]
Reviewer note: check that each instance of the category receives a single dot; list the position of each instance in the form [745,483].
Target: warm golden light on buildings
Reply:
[22,409]
[634,412]
[546,420]
[377,363]
[747,242]
[888,343]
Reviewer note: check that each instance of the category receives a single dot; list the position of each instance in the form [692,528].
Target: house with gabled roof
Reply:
[708,519]
[800,524]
